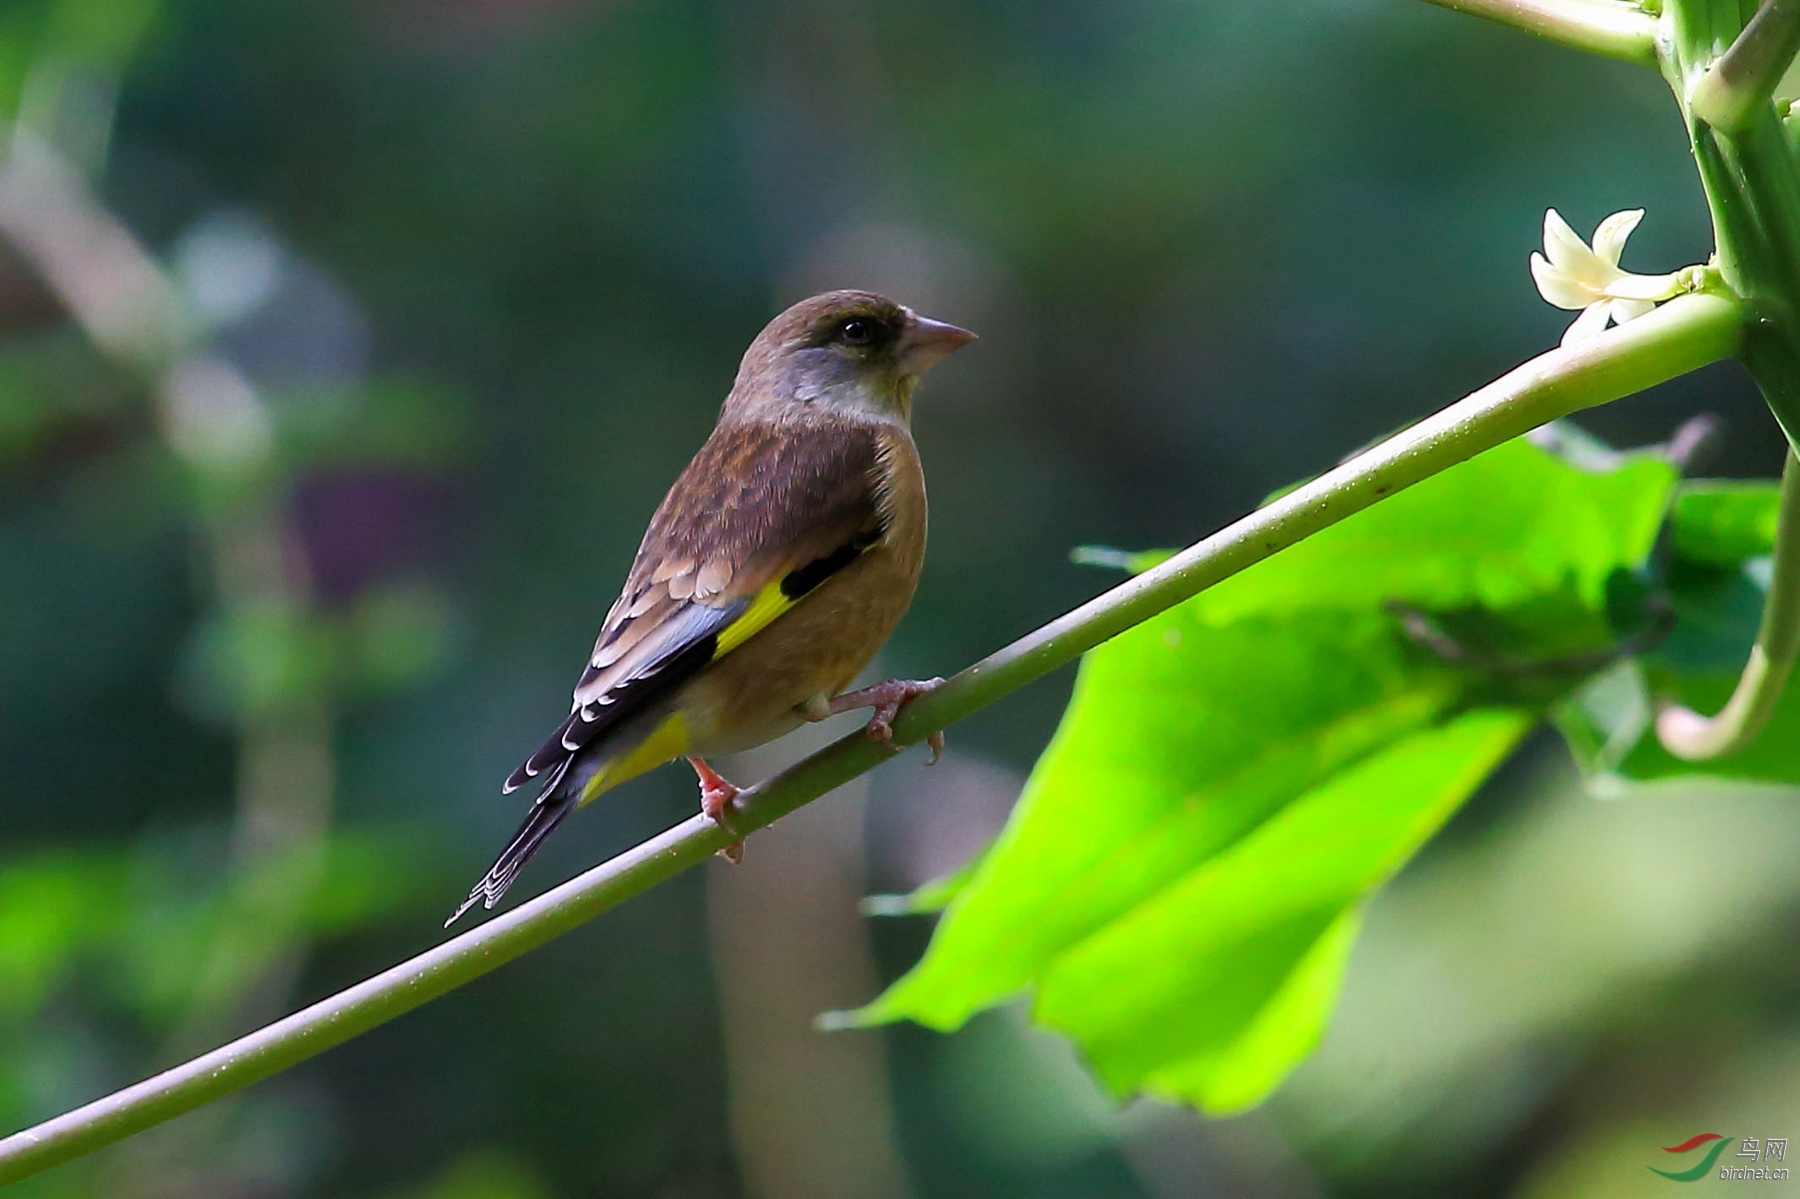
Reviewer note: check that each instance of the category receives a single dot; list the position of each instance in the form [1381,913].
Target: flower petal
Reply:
[1558,288]
[1565,249]
[1625,310]
[1609,237]
[1644,287]
[1589,325]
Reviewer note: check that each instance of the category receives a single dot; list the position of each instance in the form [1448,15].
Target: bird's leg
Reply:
[717,793]
[887,699]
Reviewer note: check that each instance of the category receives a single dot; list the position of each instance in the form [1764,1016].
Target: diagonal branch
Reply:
[1607,27]
[1682,335]
[1696,738]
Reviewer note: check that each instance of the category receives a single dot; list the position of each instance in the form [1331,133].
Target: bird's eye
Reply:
[857,331]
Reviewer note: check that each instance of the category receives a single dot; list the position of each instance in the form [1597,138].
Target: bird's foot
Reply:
[887,699]
[718,796]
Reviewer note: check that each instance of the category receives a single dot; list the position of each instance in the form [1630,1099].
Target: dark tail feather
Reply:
[553,803]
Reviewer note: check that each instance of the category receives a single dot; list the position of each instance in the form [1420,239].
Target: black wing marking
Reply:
[803,579]
[691,640]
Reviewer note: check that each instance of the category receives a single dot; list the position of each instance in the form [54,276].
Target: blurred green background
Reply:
[302,538]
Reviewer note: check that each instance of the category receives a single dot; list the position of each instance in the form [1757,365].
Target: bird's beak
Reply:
[927,342]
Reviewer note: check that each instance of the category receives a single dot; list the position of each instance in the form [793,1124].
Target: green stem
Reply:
[1752,184]
[1752,188]
[1743,79]
[1696,738]
[1682,335]
[1616,30]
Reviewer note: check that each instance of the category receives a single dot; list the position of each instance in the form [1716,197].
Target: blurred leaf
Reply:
[1774,757]
[1107,558]
[56,395]
[25,413]
[103,33]
[1724,521]
[51,906]
[933,896]
[392,420]
[483,1174]
[1180,880]
[1720,535]
[1618,743]
[65,89]
[150,916]
[368,875]
[201,928]
[1602,719]
[18,36]
[398,633]
[258,659]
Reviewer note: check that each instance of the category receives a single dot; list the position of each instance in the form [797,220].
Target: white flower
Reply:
[1571,274]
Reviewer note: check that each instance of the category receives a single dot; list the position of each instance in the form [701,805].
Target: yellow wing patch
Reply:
[769,603]
[672,737]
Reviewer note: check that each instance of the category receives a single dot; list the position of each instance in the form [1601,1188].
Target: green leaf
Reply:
[1507,526]
[397,633]
[1180,739]
[1774,757]
[51,906]
[1179,886]
[1130,561]
[932,896]
[1724,521]
[1245,1070]
[1235,931]
[1721,533]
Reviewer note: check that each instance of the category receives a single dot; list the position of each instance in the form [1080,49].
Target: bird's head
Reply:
[853,350]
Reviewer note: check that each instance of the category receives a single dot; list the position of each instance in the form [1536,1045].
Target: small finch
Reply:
[775,568]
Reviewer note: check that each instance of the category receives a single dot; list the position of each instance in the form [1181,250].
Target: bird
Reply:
[776,567]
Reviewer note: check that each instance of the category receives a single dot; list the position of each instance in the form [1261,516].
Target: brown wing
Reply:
[789,502]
